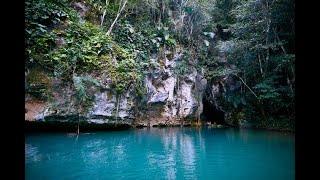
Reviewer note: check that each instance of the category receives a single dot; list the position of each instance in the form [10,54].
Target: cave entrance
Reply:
[211,113]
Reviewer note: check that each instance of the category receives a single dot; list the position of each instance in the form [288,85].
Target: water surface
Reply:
[161,153]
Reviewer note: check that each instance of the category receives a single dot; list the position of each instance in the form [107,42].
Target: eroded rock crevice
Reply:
[211,113]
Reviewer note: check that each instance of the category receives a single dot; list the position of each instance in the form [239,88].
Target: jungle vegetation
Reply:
[120,36]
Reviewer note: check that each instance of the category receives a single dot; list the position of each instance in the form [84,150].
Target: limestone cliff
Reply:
[170,100]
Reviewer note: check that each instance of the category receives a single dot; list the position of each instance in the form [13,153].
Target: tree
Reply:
[260,51]
[121,8]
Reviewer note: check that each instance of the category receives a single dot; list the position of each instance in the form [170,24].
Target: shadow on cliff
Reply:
[211,113]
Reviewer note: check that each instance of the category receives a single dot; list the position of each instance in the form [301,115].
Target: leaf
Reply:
[45,17]
[166,37]
[131,30]
[42,30]
[28,31]
[56,58]
[188,10]
[206,42]
[40,25]
[243,101]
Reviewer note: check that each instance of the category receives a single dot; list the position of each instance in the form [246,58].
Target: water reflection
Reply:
[170,146]
[187,150]
[155,153]
[97,153]
[170,139]
[32,153]
[243,135]
[177,152]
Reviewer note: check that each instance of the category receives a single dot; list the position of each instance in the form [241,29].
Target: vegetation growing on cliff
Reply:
[264,56]
[251,41]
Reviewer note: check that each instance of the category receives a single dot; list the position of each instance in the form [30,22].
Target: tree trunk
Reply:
[148,115]
[260,64]
[290,84]
[104,13]
[279,41]
[179,101]
[102,17]
[290,66]
[117,17]
[78,130]
[268,19]
[117,105]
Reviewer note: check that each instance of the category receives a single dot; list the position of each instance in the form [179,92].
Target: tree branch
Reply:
[104,13]
[117,17]
[246,85]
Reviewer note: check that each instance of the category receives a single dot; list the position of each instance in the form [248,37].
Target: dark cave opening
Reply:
[211,113]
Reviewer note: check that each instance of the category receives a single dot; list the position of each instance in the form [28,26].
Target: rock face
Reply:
[105,108]
[34,110]
[62,105]
[171,100]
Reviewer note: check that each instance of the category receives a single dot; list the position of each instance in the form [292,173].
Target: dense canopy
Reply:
[251,41]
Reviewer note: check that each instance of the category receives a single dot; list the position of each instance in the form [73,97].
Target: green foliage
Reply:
[267,91]
[135,41]
[236,116]
[122,70]
[84,46]
[162,37]
[182,67]
[221,13]
[81,85]
[40,17]
[262,41]
[219,72]
[236,100]
[38,84]
[260,48]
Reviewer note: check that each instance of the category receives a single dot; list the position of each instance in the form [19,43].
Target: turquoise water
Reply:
[165,153]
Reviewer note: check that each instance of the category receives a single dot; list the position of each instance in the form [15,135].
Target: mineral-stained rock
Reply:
[170,101]
[159,97]
[34,110]
[173,101]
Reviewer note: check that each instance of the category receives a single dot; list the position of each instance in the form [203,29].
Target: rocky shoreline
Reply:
[89,126]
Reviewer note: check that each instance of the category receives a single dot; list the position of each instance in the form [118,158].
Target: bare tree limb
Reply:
[261,71]
[247,86]
[117,17]
[104,13]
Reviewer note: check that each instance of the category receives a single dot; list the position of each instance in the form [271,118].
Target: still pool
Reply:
[161,153]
